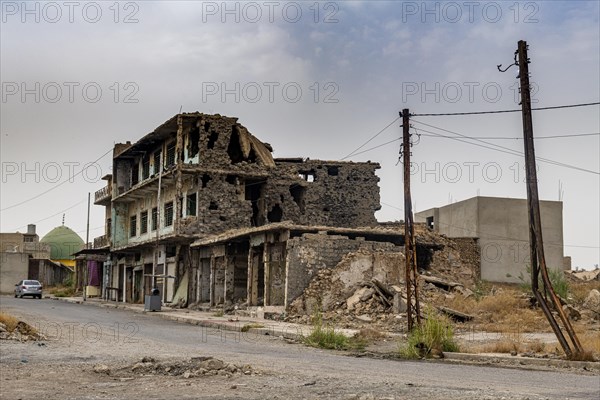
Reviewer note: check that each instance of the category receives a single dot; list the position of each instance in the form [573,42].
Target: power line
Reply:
[504,111]
[54,187]
[500,148]
[53,215]
[376,147]
[520,138]
[372,137]
[475,137]
[389,205]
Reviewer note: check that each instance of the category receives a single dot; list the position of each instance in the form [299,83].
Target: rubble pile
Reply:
[367,289]
[192,368]
[353,294]
[583,276]
[22,332]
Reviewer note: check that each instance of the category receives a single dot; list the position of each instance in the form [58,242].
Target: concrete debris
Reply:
[23,332]
[367,288]
[584,275]
[456,315]
[592,302]
[572,312]
[192,368]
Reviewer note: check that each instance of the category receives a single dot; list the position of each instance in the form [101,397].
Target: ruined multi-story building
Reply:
[197,176]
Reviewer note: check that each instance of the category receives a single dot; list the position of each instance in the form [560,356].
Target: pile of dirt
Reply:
[192,368]
[22,332]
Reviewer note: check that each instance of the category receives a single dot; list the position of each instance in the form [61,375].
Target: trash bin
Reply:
[152,301]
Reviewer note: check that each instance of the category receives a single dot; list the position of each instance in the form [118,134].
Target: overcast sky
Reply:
[314,79]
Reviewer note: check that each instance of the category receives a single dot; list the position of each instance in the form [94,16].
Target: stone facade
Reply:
[199,175]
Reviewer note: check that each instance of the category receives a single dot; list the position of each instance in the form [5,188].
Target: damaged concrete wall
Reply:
[335,285]
[221,177]
[310,253]
[327,193]
[216,177]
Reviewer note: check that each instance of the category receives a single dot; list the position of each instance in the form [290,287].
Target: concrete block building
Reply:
[501,226]
[199,175]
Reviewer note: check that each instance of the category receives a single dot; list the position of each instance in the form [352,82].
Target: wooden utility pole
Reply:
[410,251]
[538,260]
[87,246]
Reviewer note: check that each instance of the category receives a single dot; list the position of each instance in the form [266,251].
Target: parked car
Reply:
[28,287]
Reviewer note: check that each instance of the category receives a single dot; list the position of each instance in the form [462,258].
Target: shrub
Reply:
[435,335]
[326,337]
[557,279]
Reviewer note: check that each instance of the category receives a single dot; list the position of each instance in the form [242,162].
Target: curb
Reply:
[288,333]
[232,326]
[522,361]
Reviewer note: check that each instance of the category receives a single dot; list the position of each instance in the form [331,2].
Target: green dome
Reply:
[63,242]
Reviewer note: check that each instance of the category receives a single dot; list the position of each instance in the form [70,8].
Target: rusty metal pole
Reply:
[412,311]
[538,260]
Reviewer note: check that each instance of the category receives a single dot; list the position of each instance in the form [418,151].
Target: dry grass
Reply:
[515,344]
[8,320]
[590,341]
[579,291]
[505,310]
[500,346]
[61,291]
[370,335]
[253,325]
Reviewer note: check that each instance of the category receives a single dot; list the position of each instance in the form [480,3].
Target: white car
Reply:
[28,287]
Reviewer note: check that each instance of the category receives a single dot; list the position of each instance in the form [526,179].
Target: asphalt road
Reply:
[89,334]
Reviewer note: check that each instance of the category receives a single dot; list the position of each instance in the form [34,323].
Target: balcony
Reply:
[103,196]
[101,242]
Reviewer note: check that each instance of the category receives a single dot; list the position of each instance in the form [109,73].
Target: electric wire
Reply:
[521,138]
[503,111]
[54,187]
[372,137]
[498,147]
[53,215]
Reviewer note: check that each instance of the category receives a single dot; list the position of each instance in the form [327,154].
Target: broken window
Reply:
[212,139]
[194,142]
[213,206]
[190,205]
[297,193]
[143,222]
[170,251]
[145,168]
[429,221]
[231,179]
[154,218]
[135,174]
[157,162]
[253,192]
[275,214]
[333,171]
[308,176]
[169,213]
[233,149]
[170,154]
[133,226]
[205,179]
